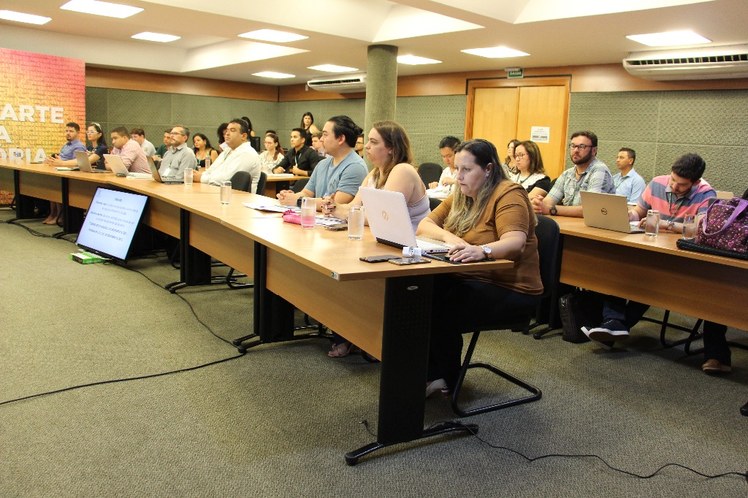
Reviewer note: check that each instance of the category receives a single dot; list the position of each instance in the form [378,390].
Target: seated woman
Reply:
[388,150]
[510,165]
[98,146]
[488,217]
[272,155]
[530,172]
[203,150]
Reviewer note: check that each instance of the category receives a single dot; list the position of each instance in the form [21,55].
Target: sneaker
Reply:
[609,331]
[715,367]
[439,385]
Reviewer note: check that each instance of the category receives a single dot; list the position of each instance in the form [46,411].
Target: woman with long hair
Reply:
[388,150]
[487,217]
[509,164]
[530,171]
[307,124]
[272,155]
[203,149]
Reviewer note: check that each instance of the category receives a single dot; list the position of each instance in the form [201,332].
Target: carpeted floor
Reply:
[277,421]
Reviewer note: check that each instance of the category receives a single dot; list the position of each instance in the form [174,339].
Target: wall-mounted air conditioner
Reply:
[705,63]
[350,83]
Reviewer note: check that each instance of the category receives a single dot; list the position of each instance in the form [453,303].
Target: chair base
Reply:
[693,332]
[535,393]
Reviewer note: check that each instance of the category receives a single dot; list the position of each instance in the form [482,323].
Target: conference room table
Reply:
[383,308]
[654,271]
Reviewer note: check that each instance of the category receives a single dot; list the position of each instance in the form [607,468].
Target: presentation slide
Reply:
[111,222]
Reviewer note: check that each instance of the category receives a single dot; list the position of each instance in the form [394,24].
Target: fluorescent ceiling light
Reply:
[272,35]
[273,75]
[495,52]
[155,37]
[414,60]
[99,8]
[10,15]
[669,38]
[332,68]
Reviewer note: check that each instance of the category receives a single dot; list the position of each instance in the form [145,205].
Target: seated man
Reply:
[179,156]
[161,149]
[340,173]
[238,156]
[65,158]
[129,150]
[627,181]
[682,192]
[138,134]
[588,174]
[300,160]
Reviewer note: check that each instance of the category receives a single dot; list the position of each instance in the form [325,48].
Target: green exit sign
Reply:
[515,72]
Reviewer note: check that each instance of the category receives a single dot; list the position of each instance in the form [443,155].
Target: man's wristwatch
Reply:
[486,251]
[553,211]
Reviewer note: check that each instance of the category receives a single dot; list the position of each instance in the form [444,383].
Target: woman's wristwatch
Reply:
[486,251]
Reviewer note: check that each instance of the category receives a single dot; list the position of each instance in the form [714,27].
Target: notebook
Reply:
[157,176]
[115,164]
[608,211]
[81,158]
[390,223]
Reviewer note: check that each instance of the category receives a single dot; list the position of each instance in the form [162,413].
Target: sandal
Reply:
[340,350]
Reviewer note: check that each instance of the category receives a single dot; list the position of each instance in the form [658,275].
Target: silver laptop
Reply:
[81,159]
[157,176]
[608,211]
[390,223]
[115,164]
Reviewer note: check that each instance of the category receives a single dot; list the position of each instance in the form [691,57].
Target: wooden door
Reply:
[500,110]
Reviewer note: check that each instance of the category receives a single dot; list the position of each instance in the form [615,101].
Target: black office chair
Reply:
[261,184]
[241,181]
[429,172]
[547,233]
[433,203]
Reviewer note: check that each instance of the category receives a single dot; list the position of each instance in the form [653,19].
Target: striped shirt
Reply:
[659,196]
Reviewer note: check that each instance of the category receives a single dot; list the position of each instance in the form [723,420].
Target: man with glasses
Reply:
[589,174]
[178,157]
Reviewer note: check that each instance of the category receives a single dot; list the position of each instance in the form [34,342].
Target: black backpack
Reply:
[579,309]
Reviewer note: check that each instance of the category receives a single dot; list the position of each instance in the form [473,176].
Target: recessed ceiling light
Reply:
[495,52]
[99,8]
[155,37]
[272,35]
[273,75]
[332,68]
[669,38]
[10,15]
[414,60]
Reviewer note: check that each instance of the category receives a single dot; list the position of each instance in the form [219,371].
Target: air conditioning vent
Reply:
[723,62]
[352,83]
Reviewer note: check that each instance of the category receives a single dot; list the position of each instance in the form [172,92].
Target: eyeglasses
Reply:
[581,147]
[519,156]
[176,133]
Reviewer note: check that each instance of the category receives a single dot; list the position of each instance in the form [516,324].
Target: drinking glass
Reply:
[356,222]
[308,212]
[689,227]
[226,192]
[652,224]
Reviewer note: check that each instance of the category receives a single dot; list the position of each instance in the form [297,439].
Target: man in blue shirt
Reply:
[341,173]
[627,181]
[66,157]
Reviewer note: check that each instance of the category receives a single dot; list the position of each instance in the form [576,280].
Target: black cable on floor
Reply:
[125,379]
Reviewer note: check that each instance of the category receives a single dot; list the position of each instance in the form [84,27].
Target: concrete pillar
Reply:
[381,85]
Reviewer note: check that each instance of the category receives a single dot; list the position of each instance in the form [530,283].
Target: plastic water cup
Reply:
[652,224]
[356,222]
[226,192]
[189,174]
[308,212]
[207,162]
[689,227]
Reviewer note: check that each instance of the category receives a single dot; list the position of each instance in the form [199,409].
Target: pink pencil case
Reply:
[292,216]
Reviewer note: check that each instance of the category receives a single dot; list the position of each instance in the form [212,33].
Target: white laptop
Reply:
[608,211]
[81,158]
[115,164]
[389,221]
